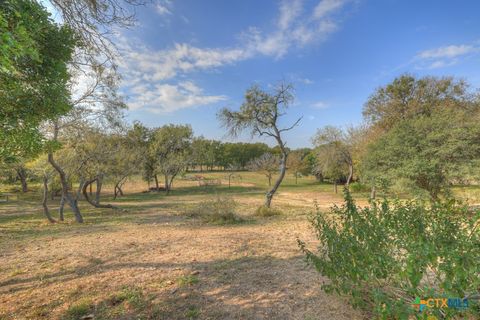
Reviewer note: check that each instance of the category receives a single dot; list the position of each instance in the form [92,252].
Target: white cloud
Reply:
[146,71]
[296,28]
[319,105]
[325,7]
[446,52]
[164,98]
[444,56]
[163,7]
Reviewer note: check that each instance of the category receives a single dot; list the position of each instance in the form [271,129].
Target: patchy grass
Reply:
[143,263]
[263,211]
[220,210]
[79,309]
[187,280]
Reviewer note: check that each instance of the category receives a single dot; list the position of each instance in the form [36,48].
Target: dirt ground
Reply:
[153,262]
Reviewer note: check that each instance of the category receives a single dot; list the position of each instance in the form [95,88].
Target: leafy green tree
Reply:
[260,114]
[334,154]
[297,164]
[34,55]
[408,97]
[425,135]
[170,146]
[428,153]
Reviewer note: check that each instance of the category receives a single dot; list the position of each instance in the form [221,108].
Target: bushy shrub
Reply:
[267,212]
[220,210]
[388,254]
[358,187]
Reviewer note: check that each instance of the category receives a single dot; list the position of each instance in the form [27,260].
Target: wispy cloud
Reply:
[444,56]
[148,69]
[163,7]
[164,98]
[319,105]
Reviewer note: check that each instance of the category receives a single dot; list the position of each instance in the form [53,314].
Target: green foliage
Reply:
[427,153]
[264,211]
[220,210]
[34,54]
[385,255]
[358,187]
[424,135]
[333,151]
[408,97]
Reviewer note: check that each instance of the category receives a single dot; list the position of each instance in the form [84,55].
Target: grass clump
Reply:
[267,212]
[133,296]
[220,210]
[79,310]
[187,280]
[192,313]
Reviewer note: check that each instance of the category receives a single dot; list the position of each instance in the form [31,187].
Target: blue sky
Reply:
[186,59]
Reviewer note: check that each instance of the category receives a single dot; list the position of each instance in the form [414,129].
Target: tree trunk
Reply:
[335,188]
[66,189]
[22,175]
[94,203]
[60,209]
[283,169]
[296,177]
[45,198]
[350,174]
[373,193]
[99,188]
[269,180]
[156,182]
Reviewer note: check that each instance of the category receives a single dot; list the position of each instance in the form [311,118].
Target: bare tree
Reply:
[260,113]
[267,164]
[95,20]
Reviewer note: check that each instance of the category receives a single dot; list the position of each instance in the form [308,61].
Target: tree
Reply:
[267,164]
[260,113]
[34,54]
[408,97]
[170,147]
[95,20]
[297,164]
[427,153]
[334,153]
[422,135]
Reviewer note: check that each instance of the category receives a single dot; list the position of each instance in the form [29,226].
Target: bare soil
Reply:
[177,267]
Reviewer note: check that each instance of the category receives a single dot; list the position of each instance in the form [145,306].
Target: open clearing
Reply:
[152,262]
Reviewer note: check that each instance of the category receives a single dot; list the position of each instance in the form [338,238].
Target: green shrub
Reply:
[388,254]
[267,212]
[221,210]
[358,187]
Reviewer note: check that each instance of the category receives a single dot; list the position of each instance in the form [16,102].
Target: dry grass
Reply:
[151,262]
